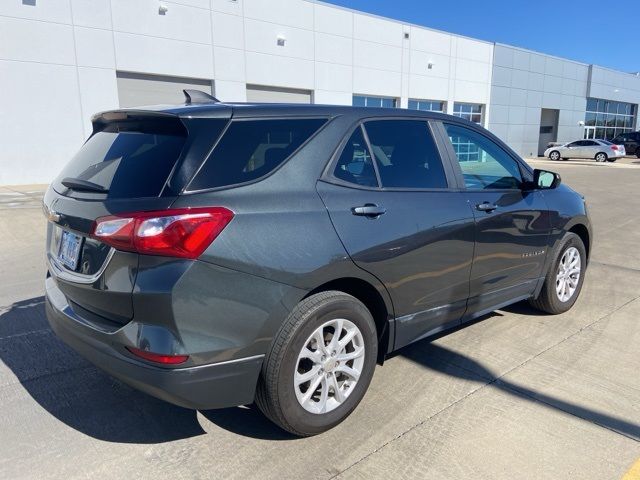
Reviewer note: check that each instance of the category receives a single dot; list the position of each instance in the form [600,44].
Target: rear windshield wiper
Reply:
[83,185]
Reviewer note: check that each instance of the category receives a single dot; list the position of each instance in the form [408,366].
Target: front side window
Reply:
[489,166]
[355,164]
[250,149]
[405,154]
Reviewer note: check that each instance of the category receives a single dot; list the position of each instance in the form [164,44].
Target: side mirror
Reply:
[545,180]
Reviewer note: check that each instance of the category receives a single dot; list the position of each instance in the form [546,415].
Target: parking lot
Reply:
[515,394]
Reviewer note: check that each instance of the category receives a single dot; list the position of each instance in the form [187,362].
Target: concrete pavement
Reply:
[515,394]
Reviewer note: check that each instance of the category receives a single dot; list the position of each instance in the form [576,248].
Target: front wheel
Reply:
[563,282]
[320,364]
[601,157]
[555,155]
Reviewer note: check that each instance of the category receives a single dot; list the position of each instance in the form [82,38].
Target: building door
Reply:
[548,128]
[589,132]
[136,89]
[261,94]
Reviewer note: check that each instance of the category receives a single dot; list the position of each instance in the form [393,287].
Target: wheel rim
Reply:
[555,156]
[568,275]
[329,366]
[600,157]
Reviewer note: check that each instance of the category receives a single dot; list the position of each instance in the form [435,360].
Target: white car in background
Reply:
[599,150]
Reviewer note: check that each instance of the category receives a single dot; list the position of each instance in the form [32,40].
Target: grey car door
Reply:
[512,222]
[388,196]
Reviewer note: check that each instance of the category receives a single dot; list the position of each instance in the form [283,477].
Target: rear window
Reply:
[251,149]
[129,161]
[606,142]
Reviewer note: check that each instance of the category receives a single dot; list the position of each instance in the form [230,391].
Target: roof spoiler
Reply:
[197,96]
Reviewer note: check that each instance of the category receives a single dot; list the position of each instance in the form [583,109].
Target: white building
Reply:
[63,60]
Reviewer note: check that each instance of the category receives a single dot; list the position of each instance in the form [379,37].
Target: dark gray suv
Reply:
[215,254]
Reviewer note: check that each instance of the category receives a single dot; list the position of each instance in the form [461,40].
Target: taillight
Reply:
[179,232]
[615,147]
[158,358]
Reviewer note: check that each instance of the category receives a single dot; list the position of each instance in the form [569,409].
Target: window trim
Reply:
[327,118]
[526,171]
[450,175]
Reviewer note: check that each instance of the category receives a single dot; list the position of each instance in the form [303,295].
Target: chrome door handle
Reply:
[486,207]
[369,210]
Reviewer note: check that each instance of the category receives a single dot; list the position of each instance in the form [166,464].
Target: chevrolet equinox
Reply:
[215,254]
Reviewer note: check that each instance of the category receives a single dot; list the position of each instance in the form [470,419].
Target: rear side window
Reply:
[406,154]
[355,164]
[128,160]
[251,149]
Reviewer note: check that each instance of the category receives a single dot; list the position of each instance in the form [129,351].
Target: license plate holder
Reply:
[69,251]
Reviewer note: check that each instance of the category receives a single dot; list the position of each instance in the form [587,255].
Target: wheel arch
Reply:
[583,232]
[376,301]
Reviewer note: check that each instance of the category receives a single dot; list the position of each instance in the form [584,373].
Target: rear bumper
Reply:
[208,386]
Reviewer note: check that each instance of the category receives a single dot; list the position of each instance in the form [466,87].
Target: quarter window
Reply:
[251,149]
[355,164]
[405,154]
[489,166]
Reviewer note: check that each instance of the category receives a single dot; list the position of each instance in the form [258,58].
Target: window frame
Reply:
[450,174]
[526,172]
[327,118]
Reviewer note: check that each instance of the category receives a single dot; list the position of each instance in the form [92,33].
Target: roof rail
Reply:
[197,96]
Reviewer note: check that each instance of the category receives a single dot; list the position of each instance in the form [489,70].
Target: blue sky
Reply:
[604,33]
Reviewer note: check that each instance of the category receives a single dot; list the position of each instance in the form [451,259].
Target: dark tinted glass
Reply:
[488,166]
[354,164]
[130,164]
[406,154]
[251,149]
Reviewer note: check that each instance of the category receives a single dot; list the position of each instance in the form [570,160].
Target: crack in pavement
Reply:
[497,379]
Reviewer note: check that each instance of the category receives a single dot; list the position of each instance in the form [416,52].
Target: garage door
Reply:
[136,89]
[258,93]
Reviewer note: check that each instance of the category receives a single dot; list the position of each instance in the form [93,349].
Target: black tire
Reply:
[564,159]
[638,152]
[611,160]
[554,155]
[276,396]
[601,157]
[548,301]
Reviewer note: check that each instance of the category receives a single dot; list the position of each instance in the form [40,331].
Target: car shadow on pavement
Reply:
[441,359]
[247,421]
[74,391]
[89,401]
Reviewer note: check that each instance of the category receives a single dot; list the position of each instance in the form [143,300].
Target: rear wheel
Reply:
[320,364]
[601,157]
[554,155]
[563,282]
[638,152]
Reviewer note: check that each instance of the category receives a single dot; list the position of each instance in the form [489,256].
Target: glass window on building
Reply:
[609,118]
[366,101]
[468,111]
[427,105]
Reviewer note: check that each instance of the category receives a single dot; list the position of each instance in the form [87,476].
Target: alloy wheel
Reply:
[568,275]
[329,366]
